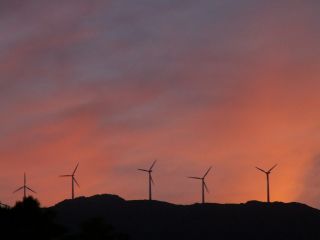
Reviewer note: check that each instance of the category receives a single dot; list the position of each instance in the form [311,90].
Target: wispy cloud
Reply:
[115,84]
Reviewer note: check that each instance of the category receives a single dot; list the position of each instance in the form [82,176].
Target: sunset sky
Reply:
[115,84]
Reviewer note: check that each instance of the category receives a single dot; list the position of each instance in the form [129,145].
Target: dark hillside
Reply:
[160,220]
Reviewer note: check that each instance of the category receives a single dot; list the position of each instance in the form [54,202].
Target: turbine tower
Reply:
[25,188]
[203,184]
[73,180]
[268,184]
[149,171]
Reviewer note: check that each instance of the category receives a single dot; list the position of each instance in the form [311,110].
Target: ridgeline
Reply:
[154,220]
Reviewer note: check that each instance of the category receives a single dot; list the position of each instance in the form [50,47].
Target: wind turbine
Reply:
[149,171]
[25,188]
[268,184]
[203,184]
[73,180]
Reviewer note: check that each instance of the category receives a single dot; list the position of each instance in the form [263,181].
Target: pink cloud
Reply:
[113,87]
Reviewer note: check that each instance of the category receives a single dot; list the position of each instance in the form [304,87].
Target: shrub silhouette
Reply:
[27,220]
[4,217]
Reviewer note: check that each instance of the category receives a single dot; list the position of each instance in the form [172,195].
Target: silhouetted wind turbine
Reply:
[149,171]
[25,188]
[268,184]
[203,184]
[73,180]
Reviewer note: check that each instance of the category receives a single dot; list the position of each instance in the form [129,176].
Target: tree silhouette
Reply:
[4,217]
[27,220]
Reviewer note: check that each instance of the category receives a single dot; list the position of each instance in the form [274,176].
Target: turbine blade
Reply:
[75,180]
[154,163]
[152,180]
[206,187]
[75,169]
[143,170]
[273,168]
[31,190]
[261,170]
[207,172]
[195,178]
[18,189]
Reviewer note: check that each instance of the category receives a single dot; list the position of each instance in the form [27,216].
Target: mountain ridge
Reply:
[144,219]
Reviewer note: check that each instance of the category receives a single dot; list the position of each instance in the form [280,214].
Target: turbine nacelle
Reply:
[267,172]
[150,169]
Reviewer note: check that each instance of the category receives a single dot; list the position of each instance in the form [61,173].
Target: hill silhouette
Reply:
[142,219]
[27,220]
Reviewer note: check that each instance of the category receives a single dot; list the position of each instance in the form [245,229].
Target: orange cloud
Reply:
[114,91]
